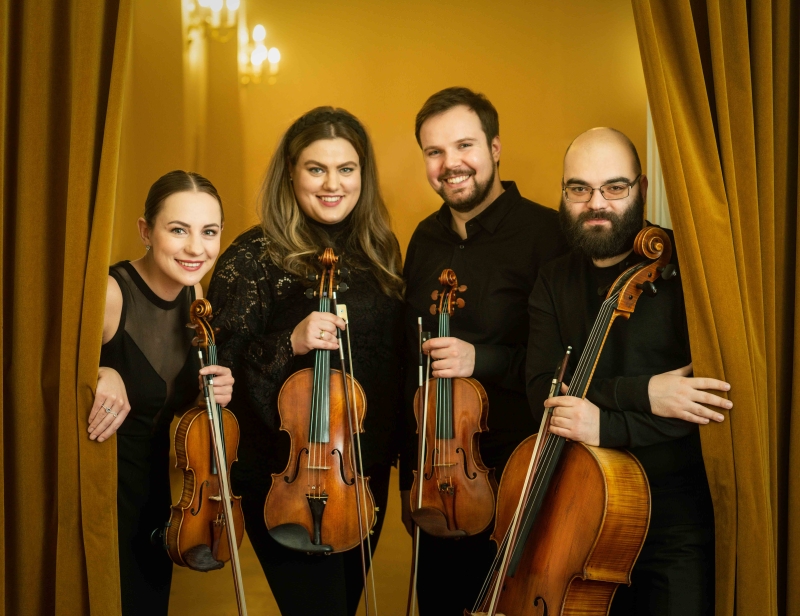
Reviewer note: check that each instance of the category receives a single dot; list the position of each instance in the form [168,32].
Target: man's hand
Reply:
[405,509]
[452,357]
[575,418]
[676,394]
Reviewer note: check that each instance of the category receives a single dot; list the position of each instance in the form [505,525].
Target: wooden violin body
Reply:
[457,488]
[587,535]
[196,532]
[311,505]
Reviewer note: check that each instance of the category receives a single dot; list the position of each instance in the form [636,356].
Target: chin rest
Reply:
[199,558]
[433,522]
[295,537]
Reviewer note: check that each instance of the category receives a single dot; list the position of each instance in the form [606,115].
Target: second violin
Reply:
[453,494]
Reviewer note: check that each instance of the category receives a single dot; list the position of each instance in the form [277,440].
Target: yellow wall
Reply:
[553,68]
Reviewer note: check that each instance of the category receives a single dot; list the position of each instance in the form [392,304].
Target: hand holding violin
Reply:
[110,406]
[452,357]
[316,331]
[223,383]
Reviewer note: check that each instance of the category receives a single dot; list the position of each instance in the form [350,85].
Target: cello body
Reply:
[587,535]
[197,519]
[457,488]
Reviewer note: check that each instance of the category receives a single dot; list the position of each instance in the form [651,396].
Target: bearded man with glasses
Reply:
[642,396]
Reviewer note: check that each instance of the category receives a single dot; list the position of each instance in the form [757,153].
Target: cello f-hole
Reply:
[464,455]
[296,467]
[544,603]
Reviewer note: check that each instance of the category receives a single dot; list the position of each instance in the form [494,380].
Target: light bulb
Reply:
[273,55]
[259,55]
[216,5]
[232,4]
[259,33]
[204,3]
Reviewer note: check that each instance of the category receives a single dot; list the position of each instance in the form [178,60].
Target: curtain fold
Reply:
[62,66]
[722,80]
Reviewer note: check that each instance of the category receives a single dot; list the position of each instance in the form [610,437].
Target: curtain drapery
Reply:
[62,69]
[722,80]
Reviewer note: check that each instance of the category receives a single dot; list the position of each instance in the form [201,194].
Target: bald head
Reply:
[602,144]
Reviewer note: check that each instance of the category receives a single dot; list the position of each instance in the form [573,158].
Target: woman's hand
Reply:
[110,406]
[316,331]
[223,383]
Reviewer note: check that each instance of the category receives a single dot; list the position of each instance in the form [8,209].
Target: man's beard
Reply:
[474,199]
[597,242]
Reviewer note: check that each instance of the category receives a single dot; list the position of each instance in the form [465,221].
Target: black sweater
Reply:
[563,307]
[257,306]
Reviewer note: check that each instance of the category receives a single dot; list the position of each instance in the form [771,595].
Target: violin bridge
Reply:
[217,498]
[316,468]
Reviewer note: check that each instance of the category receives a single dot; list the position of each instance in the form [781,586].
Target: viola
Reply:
[554,557]
[321,502]
[453,494]
[206,526]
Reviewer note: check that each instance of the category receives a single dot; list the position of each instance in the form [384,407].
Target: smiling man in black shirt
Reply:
[641,397]
[495,240]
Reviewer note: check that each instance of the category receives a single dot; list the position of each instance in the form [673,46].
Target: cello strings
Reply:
[596,338]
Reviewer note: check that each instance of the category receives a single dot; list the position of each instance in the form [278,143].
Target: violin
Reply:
[453,494]
[321,502]
[553,557]
[206,526]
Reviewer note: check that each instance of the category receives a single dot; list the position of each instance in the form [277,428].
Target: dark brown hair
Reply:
[446,99]
[176,182]
[292,243]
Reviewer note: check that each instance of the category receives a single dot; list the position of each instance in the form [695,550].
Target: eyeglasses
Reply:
[580,193]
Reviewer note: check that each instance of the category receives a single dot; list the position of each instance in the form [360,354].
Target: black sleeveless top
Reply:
[152,351]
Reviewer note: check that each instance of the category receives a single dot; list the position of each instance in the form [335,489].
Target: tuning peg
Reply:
[460,302]
[313,276]
[462,288]
[342,287]
[648,288]
[433,308]
[343,272]
[668,271]
[311,293]
[435,295]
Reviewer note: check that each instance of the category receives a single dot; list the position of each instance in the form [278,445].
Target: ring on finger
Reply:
[322,334]
[108,410]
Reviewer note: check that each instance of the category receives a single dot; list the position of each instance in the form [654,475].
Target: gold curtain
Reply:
[62,68]
[722,79]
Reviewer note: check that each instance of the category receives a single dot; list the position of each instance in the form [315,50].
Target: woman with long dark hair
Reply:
[320,190]
[148,372]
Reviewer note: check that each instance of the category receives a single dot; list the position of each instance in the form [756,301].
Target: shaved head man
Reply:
[643,396]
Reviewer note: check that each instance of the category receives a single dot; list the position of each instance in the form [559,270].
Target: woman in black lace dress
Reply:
[148,371]
[321,190]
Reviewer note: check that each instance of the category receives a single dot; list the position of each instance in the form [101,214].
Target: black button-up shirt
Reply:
[498,262]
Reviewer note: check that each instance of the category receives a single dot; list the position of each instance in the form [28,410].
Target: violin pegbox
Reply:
[448,297]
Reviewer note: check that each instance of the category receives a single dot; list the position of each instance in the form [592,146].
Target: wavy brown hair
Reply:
[292,243]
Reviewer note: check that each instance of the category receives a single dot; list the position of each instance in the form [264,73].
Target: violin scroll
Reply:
[199,313]
[448,296]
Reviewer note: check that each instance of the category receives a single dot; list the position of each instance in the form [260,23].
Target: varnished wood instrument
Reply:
[453,494]
[572,518]
[320,503]
[206,527]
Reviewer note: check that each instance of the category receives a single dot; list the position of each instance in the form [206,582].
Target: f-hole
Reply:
[433,457]
[341,469]
[202,486]
[544,603]
[466,472]
[296,466]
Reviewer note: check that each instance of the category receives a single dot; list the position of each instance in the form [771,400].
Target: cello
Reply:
[555,558]
[321,502]
[453,494]
[206,526]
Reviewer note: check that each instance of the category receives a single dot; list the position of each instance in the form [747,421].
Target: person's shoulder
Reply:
[536,212]
[561,265]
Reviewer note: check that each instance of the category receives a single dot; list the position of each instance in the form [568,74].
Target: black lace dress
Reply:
[257,306]
[151,351]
